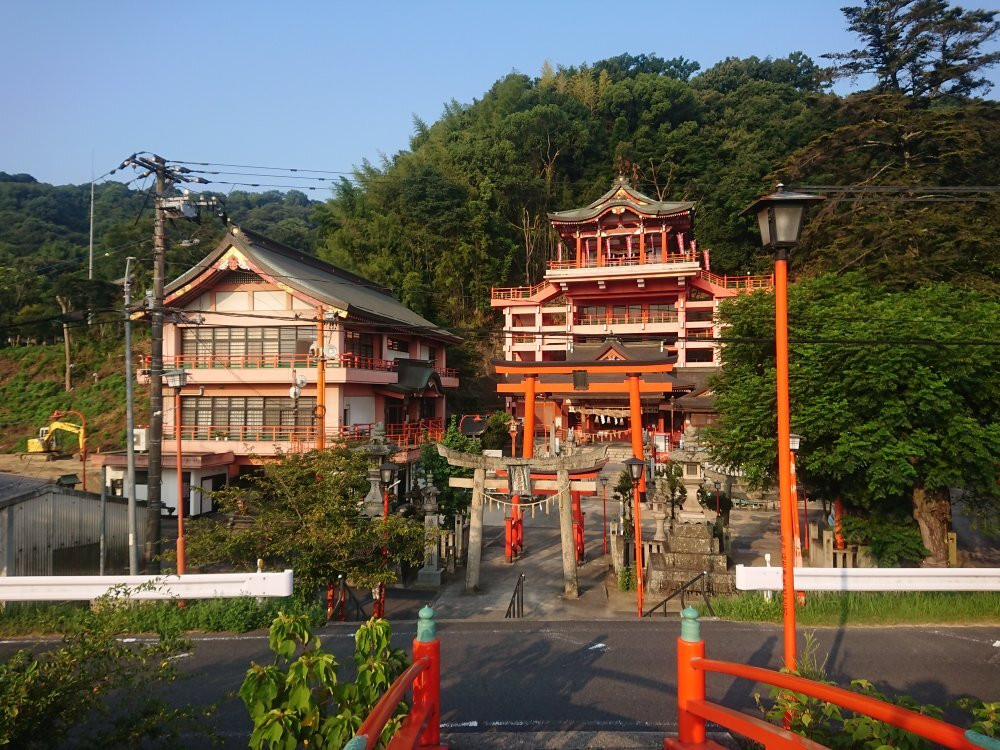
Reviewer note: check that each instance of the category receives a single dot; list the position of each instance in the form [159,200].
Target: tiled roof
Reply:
[335,286]
[623,194]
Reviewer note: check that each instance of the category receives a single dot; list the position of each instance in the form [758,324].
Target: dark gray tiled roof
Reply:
[361,298]
[632,199]
[13,485]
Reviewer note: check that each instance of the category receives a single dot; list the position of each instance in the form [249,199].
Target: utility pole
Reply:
[164,207]
[133,545]
[155,469]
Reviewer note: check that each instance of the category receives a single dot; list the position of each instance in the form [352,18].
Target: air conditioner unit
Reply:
[139,439]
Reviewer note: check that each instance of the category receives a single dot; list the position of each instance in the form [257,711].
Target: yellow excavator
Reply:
[46,440]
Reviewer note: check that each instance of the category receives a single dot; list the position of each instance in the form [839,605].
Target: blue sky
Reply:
[324,85]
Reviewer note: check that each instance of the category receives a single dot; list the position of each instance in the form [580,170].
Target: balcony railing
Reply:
[516,292]
[448,372]
[669,316]
[271,361]
[747,283]
[616,260]
[303,437]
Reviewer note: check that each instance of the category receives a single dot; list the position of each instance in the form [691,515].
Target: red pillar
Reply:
[635,413]
[784,455]
[529,416]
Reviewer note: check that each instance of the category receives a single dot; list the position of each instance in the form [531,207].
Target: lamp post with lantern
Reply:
[512,431]
[779,217]
[518,484]
[718,488]
[604,499]
[177,379]
[636,468]
[387,478]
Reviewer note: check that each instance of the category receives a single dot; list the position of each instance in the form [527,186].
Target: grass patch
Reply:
[236,615]
[868,608]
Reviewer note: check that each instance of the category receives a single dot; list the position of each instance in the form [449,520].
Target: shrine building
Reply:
[629,285]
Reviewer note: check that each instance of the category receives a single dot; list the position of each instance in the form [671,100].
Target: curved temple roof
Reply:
[623,194]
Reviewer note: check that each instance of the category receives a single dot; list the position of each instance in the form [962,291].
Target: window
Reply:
[698,295]
[432,355]
[397,345]
[236,417]
[700,316]
[662,313]
[699,355]
[359,344]
[592,314]
[248,346]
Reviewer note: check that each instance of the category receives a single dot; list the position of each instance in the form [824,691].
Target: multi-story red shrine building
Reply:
[629,284]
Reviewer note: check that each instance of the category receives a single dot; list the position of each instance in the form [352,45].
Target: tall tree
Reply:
[895,394]
[920,48]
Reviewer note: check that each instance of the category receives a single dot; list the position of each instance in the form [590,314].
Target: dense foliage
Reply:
[301,701]
[305,512]
[94,689]
[895,394]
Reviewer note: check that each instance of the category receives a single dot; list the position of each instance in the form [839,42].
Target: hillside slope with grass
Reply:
[32,388]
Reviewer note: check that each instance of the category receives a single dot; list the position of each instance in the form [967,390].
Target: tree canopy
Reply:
[305,512]
[894,393]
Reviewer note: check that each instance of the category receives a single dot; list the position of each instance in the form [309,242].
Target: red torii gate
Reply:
[611,377]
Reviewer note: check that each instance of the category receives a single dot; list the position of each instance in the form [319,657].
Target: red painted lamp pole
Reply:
[779,216]
[636,469]
[387,476]
[177,379]
[604,497]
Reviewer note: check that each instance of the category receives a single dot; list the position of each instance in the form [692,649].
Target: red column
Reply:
[690,687]
[600,254]
[784,454]
[635,411]
[579,251]
[529,416]
[642,246]
[427,685]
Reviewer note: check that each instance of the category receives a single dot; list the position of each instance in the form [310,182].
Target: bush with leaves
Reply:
[893,540]
[305,512]
[93,690]
[301,702]
[451,500]
[840,729]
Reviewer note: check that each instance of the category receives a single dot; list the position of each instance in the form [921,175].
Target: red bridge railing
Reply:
[422,726]
[693,710]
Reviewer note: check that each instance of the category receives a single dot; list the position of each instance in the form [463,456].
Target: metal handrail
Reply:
[515,609]
[346,593]
[703,576]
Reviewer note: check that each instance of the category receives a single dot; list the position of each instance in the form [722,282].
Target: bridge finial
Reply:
[690,627]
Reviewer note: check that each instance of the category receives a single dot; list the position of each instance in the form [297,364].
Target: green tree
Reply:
[304,512]
[450,500]
[920,48]
[897,402]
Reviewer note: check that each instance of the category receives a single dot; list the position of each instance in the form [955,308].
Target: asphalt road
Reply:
[613,676]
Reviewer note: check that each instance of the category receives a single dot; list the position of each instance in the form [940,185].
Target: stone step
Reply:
[670,579]
[693,545]
[691,529]
[696,561]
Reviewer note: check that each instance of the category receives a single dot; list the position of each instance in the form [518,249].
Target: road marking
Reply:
[598,647]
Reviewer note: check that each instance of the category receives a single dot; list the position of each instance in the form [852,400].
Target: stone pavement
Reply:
[755,532]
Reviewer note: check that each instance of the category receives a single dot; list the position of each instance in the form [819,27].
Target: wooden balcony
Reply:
[272,439]
[271,361]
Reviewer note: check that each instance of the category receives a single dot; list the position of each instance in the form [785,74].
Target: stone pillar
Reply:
[430,574]
[571,586]
[476,530]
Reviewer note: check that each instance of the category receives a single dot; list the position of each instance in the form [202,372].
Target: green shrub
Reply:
[93,689]
[626,578]
[894,540]
[302,702]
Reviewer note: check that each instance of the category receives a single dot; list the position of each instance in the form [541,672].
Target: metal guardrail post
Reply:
[690,681]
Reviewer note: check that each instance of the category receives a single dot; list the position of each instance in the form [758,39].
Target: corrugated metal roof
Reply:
[15,485]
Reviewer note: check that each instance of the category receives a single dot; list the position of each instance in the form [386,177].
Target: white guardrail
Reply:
[188,586]
[871,579]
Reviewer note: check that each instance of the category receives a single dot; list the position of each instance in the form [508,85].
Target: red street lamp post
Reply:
[636,469]
[387,476]
[779,217]
[604,498]
[177,379]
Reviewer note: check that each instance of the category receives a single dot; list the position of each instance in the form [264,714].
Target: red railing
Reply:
[517,292]
[413,434]
[302,437]
[693,710]
[422,726]
[448,372]
[615,261]
[747,283]
[262,361]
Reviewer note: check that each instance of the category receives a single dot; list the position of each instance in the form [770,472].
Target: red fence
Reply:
[422,726]
[270,361]
[405,435]
[693,710]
